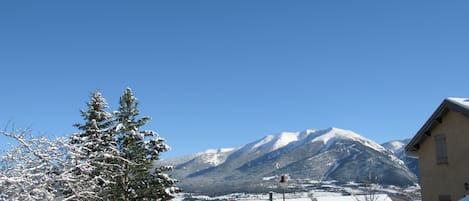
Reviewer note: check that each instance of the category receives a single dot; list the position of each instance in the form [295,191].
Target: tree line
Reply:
[110,158]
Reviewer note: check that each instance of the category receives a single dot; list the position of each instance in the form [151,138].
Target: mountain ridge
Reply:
[325,154]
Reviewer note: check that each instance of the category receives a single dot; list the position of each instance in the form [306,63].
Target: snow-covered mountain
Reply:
[328,154]
[398,148]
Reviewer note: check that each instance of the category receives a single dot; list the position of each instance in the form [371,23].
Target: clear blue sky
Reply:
[215,74]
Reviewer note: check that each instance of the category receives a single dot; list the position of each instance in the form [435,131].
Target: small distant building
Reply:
[442,147]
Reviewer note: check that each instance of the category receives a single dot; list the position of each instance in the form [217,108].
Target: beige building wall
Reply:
[446,179]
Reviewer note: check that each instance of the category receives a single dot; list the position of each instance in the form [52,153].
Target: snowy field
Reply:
[316,196]
[333,192]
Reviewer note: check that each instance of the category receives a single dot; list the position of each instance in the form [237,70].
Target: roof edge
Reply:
[435,119]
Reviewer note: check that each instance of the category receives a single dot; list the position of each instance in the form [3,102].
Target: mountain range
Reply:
[311,155]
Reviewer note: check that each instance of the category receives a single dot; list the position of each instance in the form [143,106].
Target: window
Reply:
[440,146]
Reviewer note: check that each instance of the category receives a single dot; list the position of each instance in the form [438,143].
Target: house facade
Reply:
[442,147]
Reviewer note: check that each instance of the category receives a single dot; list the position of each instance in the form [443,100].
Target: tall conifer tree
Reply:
[95,145]
[141,179]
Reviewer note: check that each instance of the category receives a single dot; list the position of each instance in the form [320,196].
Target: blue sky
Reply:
[215,74]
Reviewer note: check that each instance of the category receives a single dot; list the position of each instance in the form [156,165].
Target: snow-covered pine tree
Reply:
[140,149]
[97,122]
[95,145]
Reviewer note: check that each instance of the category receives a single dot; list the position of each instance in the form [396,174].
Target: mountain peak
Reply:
[272,142]
[396,145]
[328,136]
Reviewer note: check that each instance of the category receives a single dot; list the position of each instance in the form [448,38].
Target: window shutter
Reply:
[440,146]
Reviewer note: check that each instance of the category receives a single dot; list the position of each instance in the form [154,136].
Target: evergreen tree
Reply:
[94,148]
[97,123]
[140,149]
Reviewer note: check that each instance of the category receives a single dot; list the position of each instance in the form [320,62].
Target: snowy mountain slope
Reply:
[398,148]
[328,154]
[396,145]
[187,165]
[272,142]
[333,134]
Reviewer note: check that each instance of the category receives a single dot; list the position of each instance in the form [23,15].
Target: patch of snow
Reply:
[331,170]
[296,199]
[268,178]
[285,139]
[464,102]
[212,159]
[263,141]
[211,151]
[332,134]
[395,146]
[140,136]
[378,197]
[214,156]
[216,151]
[274,142]
[224,150]
[326,194]
[119,127]
[355,156]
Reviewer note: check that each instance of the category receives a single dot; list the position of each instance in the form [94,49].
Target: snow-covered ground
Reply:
[296,197]
[330,192]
